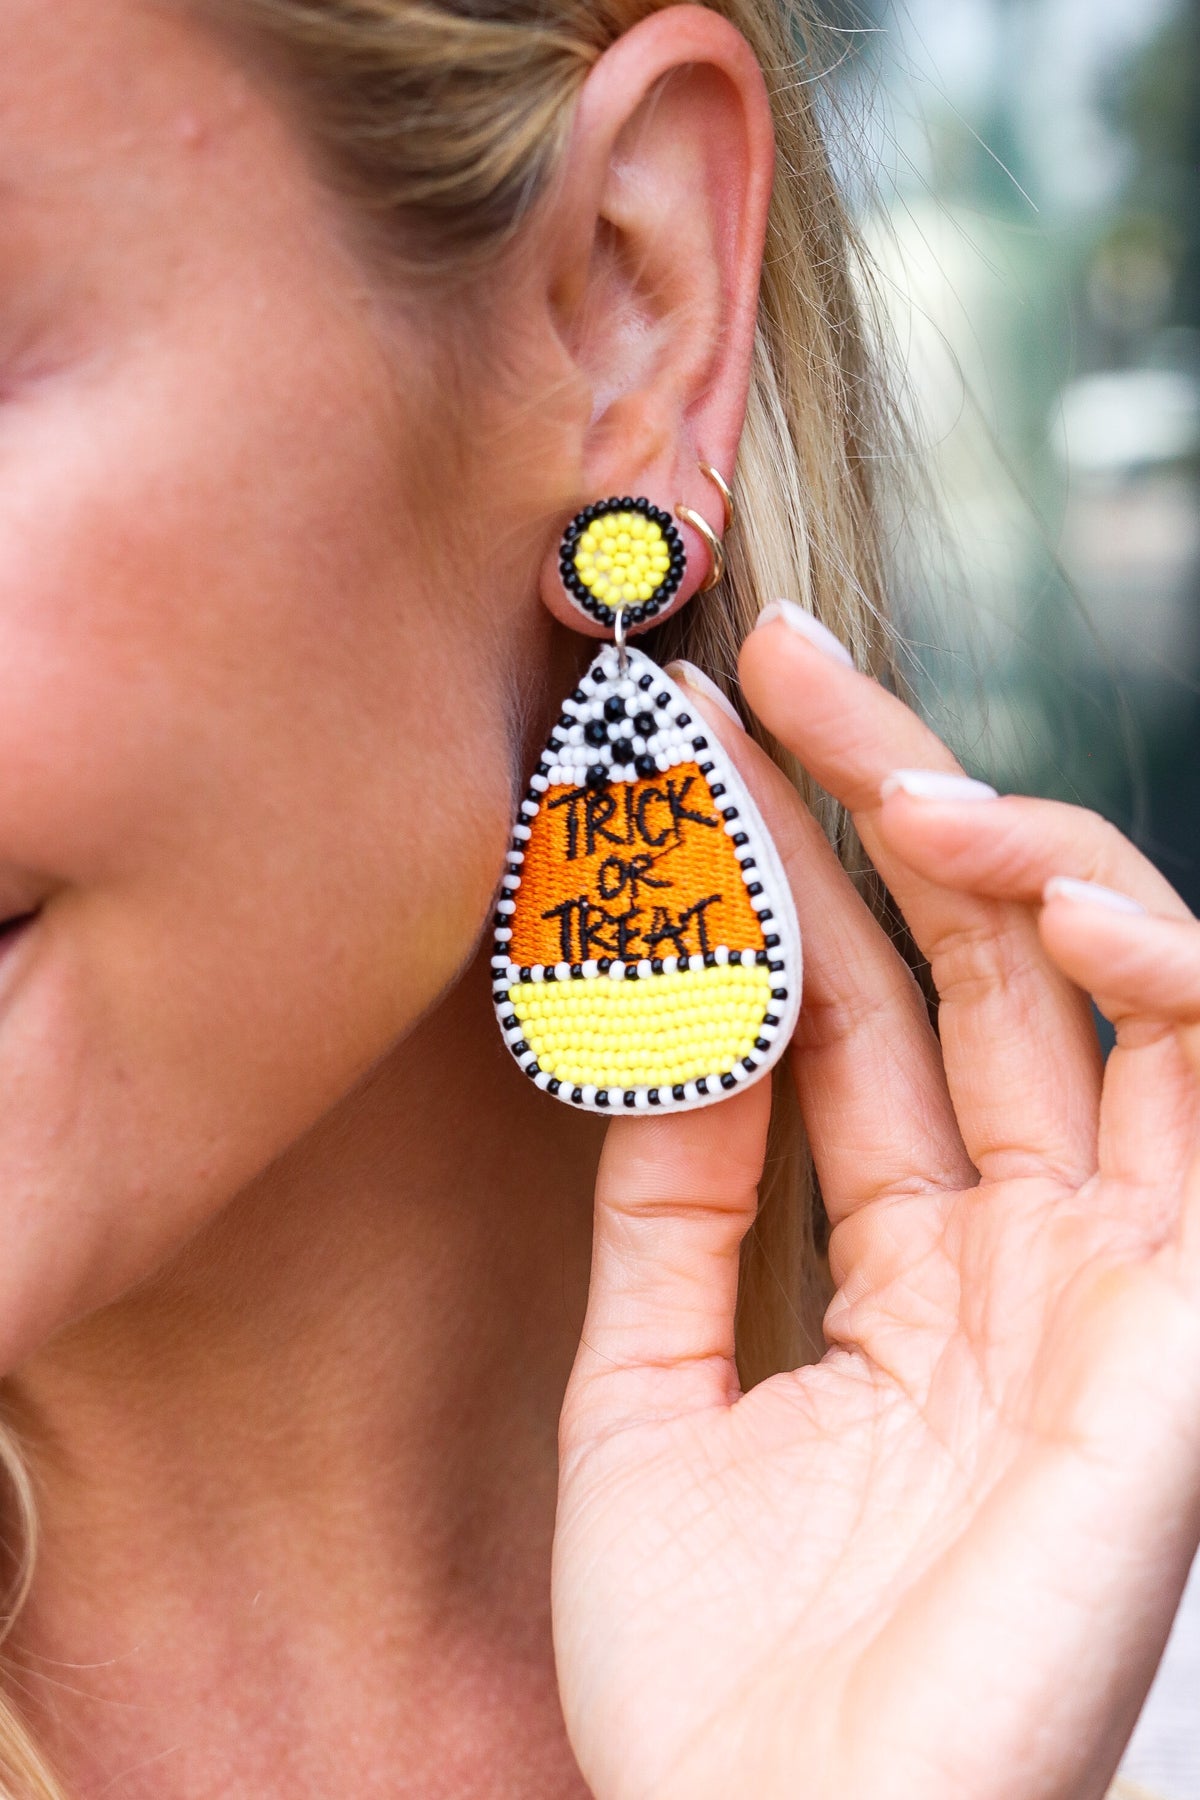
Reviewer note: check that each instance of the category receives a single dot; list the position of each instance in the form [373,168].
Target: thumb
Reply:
[675,1195]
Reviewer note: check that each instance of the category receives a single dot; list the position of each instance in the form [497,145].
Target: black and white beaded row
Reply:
[505,974]
[667,588]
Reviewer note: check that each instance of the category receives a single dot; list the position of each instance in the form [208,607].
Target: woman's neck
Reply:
[317,1451]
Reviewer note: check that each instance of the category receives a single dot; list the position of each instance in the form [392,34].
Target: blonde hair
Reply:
[443,121]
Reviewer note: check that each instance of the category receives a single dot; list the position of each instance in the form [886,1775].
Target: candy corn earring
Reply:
[646,949]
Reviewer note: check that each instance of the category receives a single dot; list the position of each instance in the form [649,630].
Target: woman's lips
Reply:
[23,899]
[13,931]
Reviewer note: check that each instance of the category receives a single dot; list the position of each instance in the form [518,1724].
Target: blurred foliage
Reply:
[1042,236]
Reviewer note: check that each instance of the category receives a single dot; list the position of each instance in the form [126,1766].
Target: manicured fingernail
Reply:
[695,678]
[805,626]
[1090,893]
[935,784]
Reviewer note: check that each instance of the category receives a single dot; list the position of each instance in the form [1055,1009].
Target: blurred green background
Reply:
[1028,180]
[1036,223]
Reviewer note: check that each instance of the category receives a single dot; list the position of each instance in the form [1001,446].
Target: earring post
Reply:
[619,640]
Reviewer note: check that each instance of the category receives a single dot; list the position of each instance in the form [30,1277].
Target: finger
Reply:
[675,1195]
[1008,848]
[866,1060]
[1020,1052]
[1144,972]
[1136,964]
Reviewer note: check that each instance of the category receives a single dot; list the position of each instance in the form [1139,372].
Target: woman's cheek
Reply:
[267,788]
[172,1028]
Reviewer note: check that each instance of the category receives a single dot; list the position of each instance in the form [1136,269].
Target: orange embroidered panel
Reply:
[631,870]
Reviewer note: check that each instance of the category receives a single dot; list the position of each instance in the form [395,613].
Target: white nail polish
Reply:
[1090,893]
[804,625]
[935,784]
[695,678]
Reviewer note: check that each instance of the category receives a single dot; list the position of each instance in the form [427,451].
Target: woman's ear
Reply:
[654,244]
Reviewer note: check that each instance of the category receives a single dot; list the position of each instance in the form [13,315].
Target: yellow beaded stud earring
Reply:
[646,954]
[622,559]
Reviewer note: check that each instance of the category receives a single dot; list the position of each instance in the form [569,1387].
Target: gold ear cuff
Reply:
[716,549]
[719,482]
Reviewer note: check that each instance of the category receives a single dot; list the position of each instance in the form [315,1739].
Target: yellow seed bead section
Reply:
[653,1032]
[622,557]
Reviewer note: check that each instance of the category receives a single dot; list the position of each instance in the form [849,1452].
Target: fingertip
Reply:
[956,832]
[787,648]
[844,726]
[711,699]
[1089,926]
[1131,960]
[1091,894]
[944,787]
[714,1149]
[805,626]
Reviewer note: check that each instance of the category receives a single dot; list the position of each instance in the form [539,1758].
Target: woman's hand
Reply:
[942,1562]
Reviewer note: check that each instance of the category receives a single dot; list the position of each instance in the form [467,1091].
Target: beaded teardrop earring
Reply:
[646,946]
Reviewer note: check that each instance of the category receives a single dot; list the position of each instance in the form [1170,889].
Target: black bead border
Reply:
[667,588]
